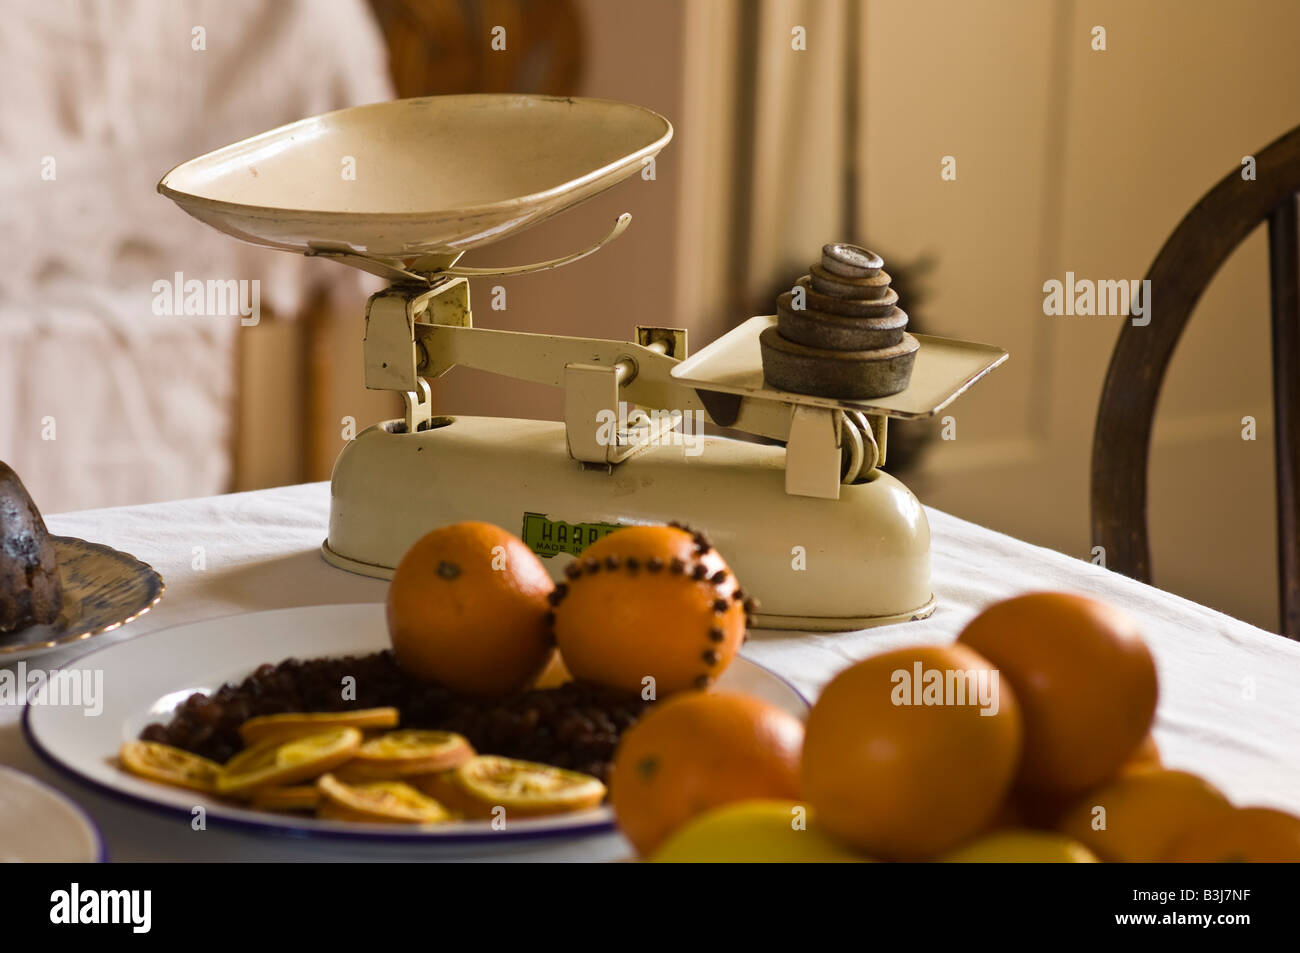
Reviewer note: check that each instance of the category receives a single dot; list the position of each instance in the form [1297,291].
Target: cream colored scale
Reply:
[818,533]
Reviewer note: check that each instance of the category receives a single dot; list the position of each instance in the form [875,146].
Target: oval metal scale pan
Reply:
[435,176]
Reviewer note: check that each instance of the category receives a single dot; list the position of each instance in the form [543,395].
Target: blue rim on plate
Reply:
[373,834]
[92,827]
[368,835]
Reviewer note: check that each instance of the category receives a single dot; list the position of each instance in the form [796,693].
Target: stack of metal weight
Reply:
[840,332]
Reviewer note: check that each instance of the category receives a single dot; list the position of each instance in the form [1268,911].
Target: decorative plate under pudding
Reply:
[103,589]
[145,679]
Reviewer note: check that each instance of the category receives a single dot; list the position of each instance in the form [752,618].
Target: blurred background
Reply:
[1067,158]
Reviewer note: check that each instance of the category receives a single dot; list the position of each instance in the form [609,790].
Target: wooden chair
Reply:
[1204,239]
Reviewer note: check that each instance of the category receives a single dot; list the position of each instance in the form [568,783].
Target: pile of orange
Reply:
[1048,755]
[1028,737]
[651,610]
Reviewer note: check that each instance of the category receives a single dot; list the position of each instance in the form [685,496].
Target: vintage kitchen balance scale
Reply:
[814,529]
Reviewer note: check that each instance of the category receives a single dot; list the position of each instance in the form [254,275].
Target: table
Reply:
[1229,692]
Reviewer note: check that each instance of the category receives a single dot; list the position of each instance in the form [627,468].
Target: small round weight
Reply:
[851,261]
[837,286]
[849,307]
[837,332]
[838,375]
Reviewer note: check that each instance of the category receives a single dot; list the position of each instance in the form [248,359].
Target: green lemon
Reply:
[1021,847]
[754,832]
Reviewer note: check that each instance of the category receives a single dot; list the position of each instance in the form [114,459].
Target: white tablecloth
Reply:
[1229,692]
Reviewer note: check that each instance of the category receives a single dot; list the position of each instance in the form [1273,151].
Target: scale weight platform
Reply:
[811,563]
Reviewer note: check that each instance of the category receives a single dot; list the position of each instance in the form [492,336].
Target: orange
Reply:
[697,751]
[1147,755]
[650,602]
[1009,816]
[1138,816]
[1245,835]
[1042,809]
[1084,678]
[900,770]
[1037,809]
[468,609]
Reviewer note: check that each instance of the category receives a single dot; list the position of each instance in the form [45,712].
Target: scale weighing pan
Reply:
[415,177]
[945,368]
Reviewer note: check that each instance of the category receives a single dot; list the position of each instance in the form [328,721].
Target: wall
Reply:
[1070,159]
[633,53]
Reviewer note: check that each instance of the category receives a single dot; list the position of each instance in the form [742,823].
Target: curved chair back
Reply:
[1200,244]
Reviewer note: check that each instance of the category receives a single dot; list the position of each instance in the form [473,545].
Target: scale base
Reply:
[812,564]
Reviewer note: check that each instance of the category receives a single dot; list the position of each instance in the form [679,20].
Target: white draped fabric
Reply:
[101,400]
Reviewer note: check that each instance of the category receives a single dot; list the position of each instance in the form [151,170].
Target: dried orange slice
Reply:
[297,724]
[524,788]
[381,801]
[400,754]
[446,790]
[160,762]
[298,797]
[273,763]
[327,810]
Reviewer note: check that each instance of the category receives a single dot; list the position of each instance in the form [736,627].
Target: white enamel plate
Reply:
[145,678]
[40,825]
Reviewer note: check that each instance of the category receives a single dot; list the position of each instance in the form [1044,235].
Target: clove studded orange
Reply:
[650,607]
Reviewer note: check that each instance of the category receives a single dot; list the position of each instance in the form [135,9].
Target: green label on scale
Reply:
[547,537]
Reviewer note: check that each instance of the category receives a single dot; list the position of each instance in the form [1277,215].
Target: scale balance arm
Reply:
[417,334]
[596,375]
